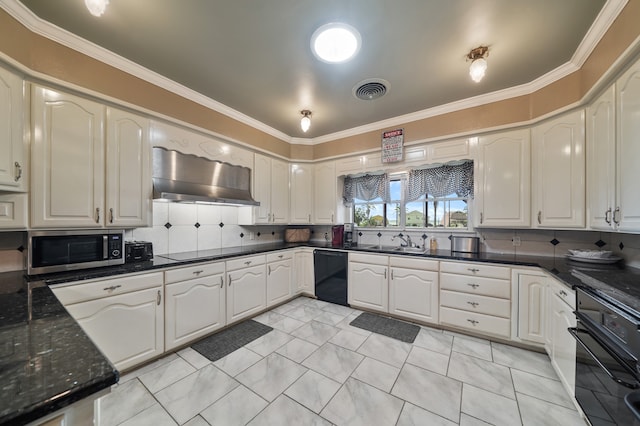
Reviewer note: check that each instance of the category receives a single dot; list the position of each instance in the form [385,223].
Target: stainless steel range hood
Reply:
[188,178]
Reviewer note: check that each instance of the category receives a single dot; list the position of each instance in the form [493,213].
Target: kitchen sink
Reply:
[408,249]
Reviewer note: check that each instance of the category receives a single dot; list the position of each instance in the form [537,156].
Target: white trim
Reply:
[603,21]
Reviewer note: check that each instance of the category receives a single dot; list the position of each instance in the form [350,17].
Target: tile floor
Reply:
[316,369]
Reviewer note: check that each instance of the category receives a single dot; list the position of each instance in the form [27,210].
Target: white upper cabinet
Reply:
[558,161]
[12,147]
[626,215]
[601,161]
[81,178]
[325,190]
[301,193]
[128,189]
[271,189]
[67,155]
[502,174]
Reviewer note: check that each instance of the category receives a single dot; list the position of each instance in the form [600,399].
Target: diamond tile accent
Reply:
[242,235]
[450,237]
[379,235]
[621,246]
[600,243]
[400,235]
[360,234]
[555,242]
[424,236]
[273,232]
[258,234]
[197,225]
[167,225]
[221,224]
[20,249]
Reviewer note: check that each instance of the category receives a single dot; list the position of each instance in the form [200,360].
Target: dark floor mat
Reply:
[389,327]
[222,344]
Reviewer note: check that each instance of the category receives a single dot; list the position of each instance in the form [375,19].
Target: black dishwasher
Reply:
[330,273]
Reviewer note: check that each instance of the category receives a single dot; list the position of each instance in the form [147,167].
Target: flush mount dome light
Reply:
[335,42]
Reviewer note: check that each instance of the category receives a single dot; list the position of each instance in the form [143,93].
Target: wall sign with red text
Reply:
[392,142]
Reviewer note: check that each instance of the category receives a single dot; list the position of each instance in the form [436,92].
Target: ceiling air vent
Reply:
[370,89]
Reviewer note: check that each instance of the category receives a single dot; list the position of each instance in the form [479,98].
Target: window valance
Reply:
[367,187]
[441,181]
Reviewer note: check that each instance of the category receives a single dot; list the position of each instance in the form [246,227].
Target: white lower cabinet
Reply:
[368,282]
[194,304]
[476,297]
[123,316]
[304,280]
[413,288]
[560,345]
[246,287]
[532,306]
[279,275]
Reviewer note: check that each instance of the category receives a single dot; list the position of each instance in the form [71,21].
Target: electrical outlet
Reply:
[516,241]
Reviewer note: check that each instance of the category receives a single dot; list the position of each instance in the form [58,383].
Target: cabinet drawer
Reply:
[82,291]
[413,263]
[476,303]
[476,285]
[564,293]
[245,262]
[376,259]
[279,255]
[476,322]
[476,269]
[191,272]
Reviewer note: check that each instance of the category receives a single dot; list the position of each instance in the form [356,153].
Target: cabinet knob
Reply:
[473,322]
[474,286]
[111,288]
[18,171]
[563,293]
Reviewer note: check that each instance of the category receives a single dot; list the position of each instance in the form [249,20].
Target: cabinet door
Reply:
[368,286]
[67,161]
[301,193]
[279,281]
[601,160]
[279,191]
[304,278]
[194,308]
[262,188]
[627,213]
[13,211]
[531,307]
[325,185]
[127,328]
[559,172]
[128,190]
[12,167]
[563,346]
[414,294]
[503,180]
[246,292]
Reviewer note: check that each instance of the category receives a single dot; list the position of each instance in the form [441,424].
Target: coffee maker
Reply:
[337,235]
[350,236]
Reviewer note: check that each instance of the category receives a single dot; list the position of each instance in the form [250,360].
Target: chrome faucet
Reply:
[407,241]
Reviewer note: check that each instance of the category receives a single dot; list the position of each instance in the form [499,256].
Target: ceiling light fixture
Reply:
[335,42]
[96,7]
[305,121]
[478,60]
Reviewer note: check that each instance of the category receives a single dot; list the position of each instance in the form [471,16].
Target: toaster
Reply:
[137,251]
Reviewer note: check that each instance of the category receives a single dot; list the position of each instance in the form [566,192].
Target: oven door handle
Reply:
[632,401]
[574,333]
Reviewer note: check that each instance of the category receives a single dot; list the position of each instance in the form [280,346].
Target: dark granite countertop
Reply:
[46,360]
[40,370]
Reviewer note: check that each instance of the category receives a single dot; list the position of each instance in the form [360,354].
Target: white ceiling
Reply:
[253,56]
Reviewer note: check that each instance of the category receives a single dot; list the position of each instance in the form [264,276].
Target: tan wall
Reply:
[50,58]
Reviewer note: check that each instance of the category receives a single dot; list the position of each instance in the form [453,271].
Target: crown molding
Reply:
[603,21]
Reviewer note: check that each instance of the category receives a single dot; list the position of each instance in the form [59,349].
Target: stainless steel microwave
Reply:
[58,251]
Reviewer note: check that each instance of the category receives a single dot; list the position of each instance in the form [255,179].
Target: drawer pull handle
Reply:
[539,217]
[248,262]
[607,216]
[198,272]
[221,281]
[474,286]
[229,280]
[281,256]
[159,299]
[269,270]
[97,214]
[563,293]
[113,287]
[473,322]
[111,215]
[18,171]
[474,304]
[392,275]
[474,270]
